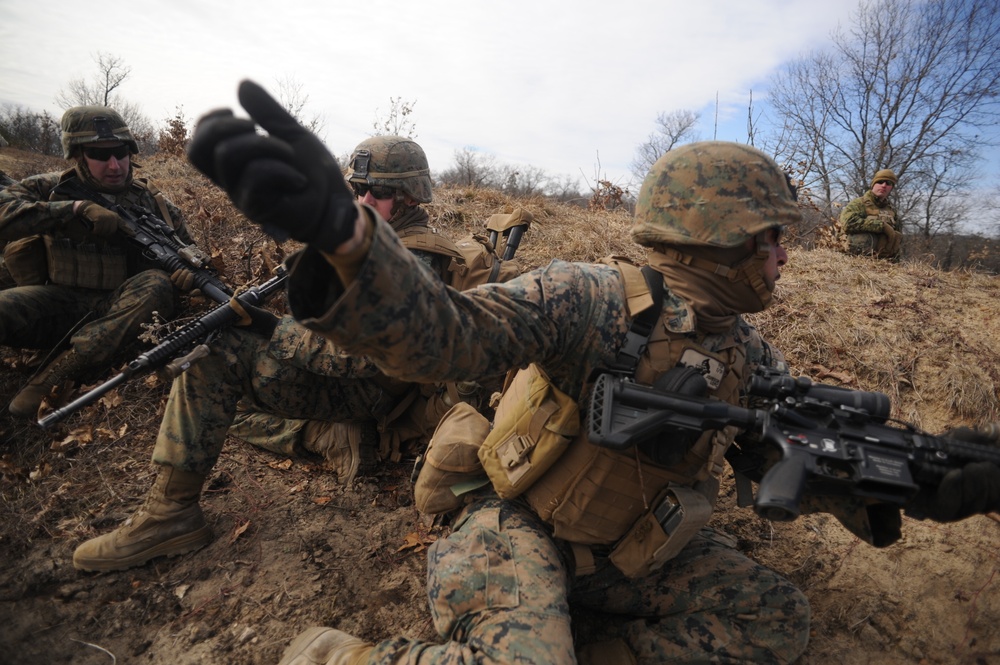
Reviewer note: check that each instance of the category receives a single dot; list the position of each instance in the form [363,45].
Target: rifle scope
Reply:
[875,404]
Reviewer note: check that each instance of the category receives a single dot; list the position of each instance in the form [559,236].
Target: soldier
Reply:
[77,275]
[871,223]
[587,530]
[300,394]
[391,174]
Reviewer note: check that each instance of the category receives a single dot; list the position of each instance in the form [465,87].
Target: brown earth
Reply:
[294,549]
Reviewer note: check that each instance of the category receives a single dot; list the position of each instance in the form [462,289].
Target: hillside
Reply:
[294,549]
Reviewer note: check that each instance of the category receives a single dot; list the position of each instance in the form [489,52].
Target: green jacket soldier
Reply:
[277,385]
[870,222]
[75,272]
[584,527]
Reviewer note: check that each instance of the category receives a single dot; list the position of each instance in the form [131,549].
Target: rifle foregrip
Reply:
[781,488]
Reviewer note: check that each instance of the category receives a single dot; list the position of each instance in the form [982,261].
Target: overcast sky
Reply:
[561,86]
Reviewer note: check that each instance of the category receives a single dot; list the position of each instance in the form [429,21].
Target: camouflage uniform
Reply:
[39,316]
[294,374]
[399,163]
[871,224]
[92,285]
[500,584]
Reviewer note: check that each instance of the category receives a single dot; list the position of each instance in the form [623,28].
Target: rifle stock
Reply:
[832,441]
[176,343]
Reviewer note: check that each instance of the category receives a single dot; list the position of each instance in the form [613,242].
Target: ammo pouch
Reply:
[656,537]
[85,265]
[25,261]
[450,466]
[534,424]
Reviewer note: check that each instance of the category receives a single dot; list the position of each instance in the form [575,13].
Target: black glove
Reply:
[972,490]
[287,181]
[255,319]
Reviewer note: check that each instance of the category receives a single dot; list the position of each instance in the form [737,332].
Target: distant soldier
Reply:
[77,275]
[872,226]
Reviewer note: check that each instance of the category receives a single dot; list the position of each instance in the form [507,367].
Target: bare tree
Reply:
[102,90]
[397,121]
[291,95]
[471,169]
[908,87]
[672,128]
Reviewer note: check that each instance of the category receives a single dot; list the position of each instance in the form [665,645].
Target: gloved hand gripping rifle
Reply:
[159,242]
[832,441]
[180,349]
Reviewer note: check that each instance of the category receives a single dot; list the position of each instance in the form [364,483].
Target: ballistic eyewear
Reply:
[380,192]
[104,154]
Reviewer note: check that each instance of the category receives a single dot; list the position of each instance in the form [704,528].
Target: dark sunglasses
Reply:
[104,154]
[380,192]
[883,182]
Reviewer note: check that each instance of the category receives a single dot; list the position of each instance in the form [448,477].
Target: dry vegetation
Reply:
[293,549]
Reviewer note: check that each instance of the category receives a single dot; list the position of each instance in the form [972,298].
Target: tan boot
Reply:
[326,646]
[346,447]
[64,368]
[168,524]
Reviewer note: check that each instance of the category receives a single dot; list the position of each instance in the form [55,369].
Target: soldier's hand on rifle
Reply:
[972,490]
[182,279]
[286,181]
[100,220]
[255,319]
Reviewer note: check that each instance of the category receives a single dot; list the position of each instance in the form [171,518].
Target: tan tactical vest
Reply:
[472,258]
[90,262]
[594,495]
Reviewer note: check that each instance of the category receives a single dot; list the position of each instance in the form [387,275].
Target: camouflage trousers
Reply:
[500,591]
[40,317]
[268,431]
[203,400]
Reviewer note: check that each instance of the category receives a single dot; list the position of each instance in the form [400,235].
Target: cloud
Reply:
[557,86]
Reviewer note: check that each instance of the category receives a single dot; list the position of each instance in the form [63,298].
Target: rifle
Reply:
[192,340]
[833,441]
[157,240]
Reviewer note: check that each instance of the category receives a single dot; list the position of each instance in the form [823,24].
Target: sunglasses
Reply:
[104,154]
[380,192]
[883,182]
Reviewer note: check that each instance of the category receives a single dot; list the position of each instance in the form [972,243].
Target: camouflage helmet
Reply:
[90,124]
[392,161]
[712,193]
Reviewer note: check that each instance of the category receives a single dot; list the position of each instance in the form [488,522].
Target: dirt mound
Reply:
[294,549]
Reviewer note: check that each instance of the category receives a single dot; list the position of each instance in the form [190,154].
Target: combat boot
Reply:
[64,368]
[326,646]
[169,523]
[347,447]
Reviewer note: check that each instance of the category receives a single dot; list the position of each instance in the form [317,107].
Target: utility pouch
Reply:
[450,466]
[25,261]
[85,265]
[662,532]
[534,424]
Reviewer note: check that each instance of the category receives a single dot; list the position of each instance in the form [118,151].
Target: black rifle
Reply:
[159,242]
[833,441]
[192,341]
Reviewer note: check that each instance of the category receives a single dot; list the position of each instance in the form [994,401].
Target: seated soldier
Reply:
[77,276]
